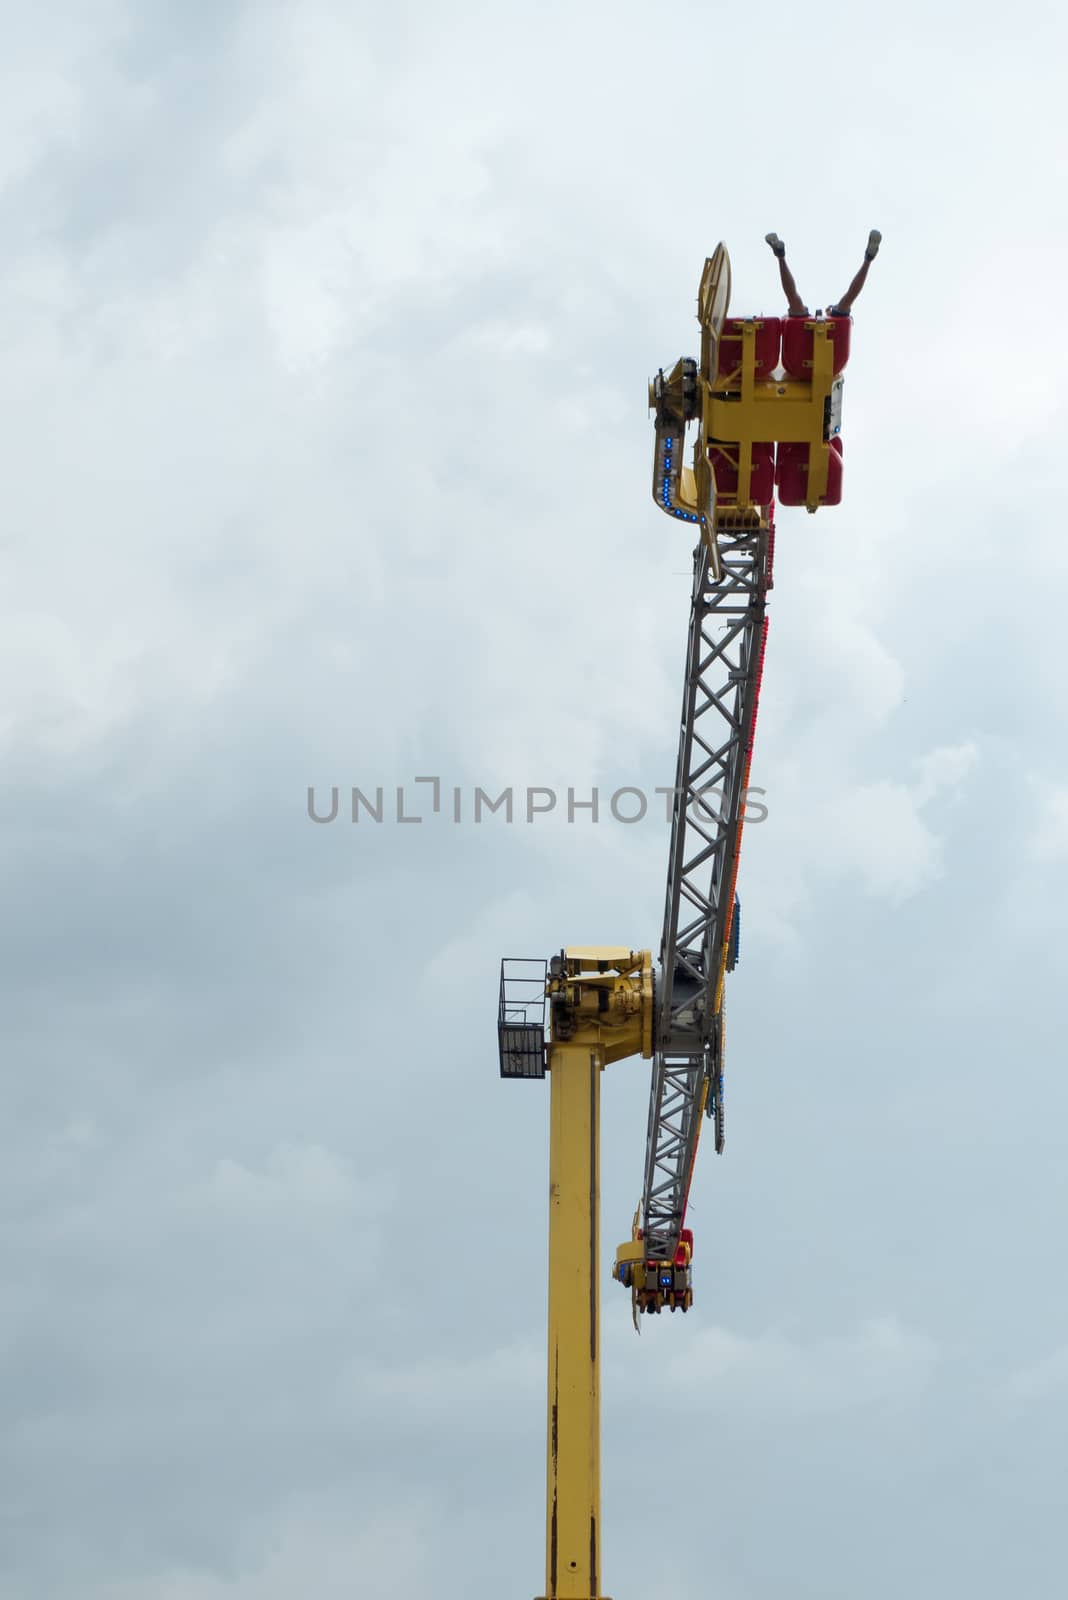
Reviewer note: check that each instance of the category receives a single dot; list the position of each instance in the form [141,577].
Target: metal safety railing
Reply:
[521,1017]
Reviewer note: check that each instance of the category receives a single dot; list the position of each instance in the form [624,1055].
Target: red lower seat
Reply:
[791,474]
[724,459]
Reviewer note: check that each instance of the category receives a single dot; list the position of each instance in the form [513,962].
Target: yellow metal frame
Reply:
[744,410]
[739,410]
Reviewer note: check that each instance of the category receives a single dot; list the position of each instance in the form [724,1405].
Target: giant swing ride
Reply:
[763,402]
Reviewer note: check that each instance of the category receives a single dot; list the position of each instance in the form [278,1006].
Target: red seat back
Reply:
[768,338]
[684,1250]
[797,344]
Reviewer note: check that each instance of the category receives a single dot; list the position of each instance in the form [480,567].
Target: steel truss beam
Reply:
[724,658]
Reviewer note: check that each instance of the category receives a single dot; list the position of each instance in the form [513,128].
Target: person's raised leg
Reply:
[795,304]
[843,307]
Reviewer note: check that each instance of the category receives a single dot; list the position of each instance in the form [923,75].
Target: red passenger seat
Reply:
[724,459]
[768,337]
[797,344]
[791,474]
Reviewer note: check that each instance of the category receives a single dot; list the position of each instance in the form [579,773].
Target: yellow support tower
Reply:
[573,1477]
[601,1010]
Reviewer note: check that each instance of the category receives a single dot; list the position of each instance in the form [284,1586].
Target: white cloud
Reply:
[317,1547]
[40,110]
[296,1179]
[881,1361]
[879,830]
[1043,1380]
[1049,838]
[488,1390]
[521,339]
[876,831]
[943,769]
[827,821]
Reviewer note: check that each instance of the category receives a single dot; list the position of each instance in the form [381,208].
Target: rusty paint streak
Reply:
[555,1448]
[593,1210]
[593,1555]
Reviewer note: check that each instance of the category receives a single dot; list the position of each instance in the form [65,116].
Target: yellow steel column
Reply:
[573,1512]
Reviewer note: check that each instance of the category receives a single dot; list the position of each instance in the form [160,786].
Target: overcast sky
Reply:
[325,331]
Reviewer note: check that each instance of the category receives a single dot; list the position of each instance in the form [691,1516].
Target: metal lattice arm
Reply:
[723,668]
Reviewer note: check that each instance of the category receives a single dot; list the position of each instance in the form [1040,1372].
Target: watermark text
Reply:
[405,805]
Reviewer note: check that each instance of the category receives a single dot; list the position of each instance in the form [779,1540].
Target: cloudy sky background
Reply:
[325,332]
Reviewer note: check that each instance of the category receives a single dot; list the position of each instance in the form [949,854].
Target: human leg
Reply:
[845,304]
[795,304]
